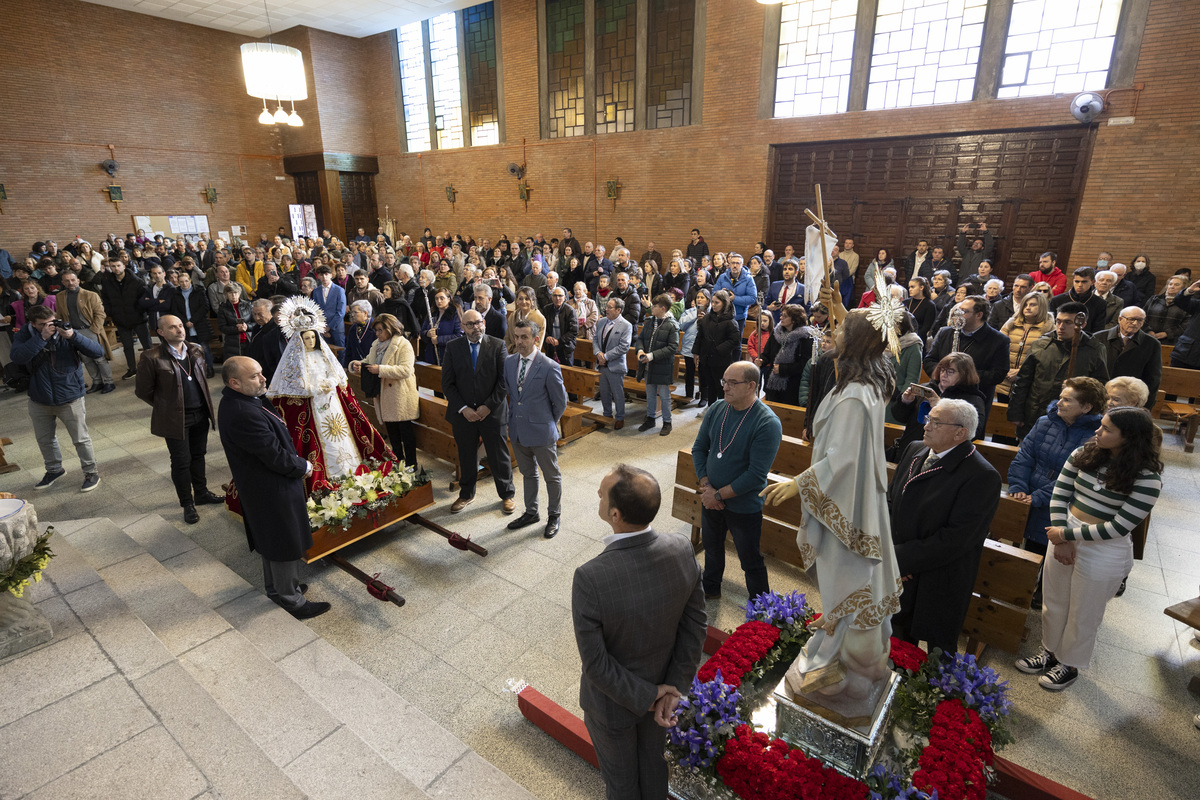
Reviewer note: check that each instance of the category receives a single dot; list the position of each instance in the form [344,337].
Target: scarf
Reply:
[789,353]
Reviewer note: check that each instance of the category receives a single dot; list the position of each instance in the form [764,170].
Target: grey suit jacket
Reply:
[535,408]
[638,611]
[618,343]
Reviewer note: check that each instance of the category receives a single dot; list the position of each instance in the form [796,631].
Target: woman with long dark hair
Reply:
[1104,491]
[954,377]
[920,306]
[718,344]
[792,353]
[443,328]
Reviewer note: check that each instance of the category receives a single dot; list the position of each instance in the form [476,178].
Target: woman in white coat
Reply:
[397,406]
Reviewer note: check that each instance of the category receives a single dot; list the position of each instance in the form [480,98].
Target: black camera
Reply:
[61,324]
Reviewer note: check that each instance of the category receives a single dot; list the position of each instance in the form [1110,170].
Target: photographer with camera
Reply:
[53,353]
[83,310]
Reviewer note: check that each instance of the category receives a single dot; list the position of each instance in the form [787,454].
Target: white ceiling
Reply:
[349,17]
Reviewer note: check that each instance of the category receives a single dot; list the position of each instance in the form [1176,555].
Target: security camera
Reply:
[1086,107]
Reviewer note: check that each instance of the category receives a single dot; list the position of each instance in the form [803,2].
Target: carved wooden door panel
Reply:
[888,193]
[358,203]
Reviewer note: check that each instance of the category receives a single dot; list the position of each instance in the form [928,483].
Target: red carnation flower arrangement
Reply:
[907,657]
[737,655]
[757,767]
[959,750]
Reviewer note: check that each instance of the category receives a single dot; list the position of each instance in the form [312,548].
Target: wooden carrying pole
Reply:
[822,228]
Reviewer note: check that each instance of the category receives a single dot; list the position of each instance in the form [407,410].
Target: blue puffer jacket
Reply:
[1041,457]
[55,371]
[689,329]
[744,291]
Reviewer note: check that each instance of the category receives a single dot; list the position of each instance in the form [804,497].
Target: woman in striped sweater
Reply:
[1106,489]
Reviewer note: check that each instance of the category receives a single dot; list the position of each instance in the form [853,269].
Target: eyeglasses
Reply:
[932,421]
[1134,320]
[725,382]
[472,324]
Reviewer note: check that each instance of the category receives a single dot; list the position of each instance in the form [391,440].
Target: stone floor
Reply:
[472,623]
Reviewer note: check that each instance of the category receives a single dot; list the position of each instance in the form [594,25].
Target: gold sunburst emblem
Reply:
[334,427]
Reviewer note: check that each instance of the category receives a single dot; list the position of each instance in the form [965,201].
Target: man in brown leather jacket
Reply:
[171,378]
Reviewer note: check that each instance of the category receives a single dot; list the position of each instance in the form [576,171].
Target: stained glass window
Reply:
[926,52]
[616,68]
[447,85]
[671,25]
[816,44]
[479,28]
[1058,47]
[412,84]
[566,50]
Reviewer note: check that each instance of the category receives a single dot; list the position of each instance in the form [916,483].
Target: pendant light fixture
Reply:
[275,72]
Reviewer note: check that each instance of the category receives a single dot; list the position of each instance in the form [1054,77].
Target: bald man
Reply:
[269,477]
[172,378]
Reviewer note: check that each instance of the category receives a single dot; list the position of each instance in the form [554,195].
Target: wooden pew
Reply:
[583,352]
[1167,349]
[1185,410]
[1187,612]
[998,424]
[792,417]
[1003,588]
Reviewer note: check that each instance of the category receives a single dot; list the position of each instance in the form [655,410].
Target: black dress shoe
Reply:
[309,610]
[525,520]
[551,528]
[190,515]
[207,498]
[95,387]
[129,374]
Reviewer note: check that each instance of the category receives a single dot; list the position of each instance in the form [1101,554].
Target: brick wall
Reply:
[169,97]
[714,175]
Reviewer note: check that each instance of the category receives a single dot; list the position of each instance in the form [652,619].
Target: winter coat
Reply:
[1020,341]
[744,291]
[908,369]
[1041,376]
[121,299]
[398,400]
[1165,317]
[913,415]
[687,332]
[227,321]
[1042,454]
[794,352]
[661,340]
[1144,282]
[55,368]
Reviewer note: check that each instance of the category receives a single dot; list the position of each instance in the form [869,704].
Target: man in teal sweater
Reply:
[733,453]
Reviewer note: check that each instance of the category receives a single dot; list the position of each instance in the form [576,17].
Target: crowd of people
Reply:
[1076,362]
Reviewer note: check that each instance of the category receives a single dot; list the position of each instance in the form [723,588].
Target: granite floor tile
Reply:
[26,688]
[53,742]
[277,714]
[486,655]
[342,766]
[163,603]
[265,625]
[213,583]
[150,764]
[124,637]
[158,537]
[233,764]
[473,778]
[103,544]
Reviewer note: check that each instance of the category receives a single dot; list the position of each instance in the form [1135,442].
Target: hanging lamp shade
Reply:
[274,72]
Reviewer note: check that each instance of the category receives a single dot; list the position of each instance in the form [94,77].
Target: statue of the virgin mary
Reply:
[310,392]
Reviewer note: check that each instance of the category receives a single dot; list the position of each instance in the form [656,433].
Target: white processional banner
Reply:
[814,261]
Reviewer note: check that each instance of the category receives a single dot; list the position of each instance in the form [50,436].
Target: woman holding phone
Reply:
[954,377]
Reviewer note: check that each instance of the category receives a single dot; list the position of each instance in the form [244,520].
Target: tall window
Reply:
[447,87]
[440,111]
[616,43]
[579,99]
[1057,47]
[816,44]
[669,63]
[479,27]
[412,86]
[926,52]
[566,48]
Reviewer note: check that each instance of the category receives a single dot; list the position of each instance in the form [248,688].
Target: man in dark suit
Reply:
[562,328]
[494,323]
[268,341]
[269,477]
[473,382]
[942,498]
[537,400]
[787,291]
[638,612]
[1133,353]
[987,347]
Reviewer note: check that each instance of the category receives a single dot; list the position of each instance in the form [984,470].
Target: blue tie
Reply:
[474,354]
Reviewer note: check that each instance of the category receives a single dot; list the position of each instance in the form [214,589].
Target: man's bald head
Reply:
[472,323]
[244,375]
[170,328]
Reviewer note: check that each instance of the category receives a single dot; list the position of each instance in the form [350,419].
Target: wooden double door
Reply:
[889,193]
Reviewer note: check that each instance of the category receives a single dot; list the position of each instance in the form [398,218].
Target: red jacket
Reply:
[1056,279]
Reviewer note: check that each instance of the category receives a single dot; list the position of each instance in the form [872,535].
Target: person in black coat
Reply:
[718,344]
[1133,353]
[269,476]
[987,347]
[267,345]
[476,409]
[121,291]
[953,378]
[941,509]
[560,345]
[190,304]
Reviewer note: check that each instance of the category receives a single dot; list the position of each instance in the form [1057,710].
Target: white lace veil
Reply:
[299,374]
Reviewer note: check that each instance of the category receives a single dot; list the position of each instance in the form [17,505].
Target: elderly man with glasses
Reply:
[942,498]
[1130,352]
[732,454]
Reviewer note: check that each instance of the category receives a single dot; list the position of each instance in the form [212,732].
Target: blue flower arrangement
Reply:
[978,687]
[707,717]
[780,610]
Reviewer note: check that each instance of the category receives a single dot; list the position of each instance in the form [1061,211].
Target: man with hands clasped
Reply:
[640,628]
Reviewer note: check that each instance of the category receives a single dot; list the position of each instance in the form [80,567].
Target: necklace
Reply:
[721,435]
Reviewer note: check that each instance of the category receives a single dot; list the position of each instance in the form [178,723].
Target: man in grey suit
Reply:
[638,611]
[610,346]
[536,401]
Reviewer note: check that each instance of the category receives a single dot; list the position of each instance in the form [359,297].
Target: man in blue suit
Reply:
[788,291]
[611,346]
[536,402]
[332,300]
